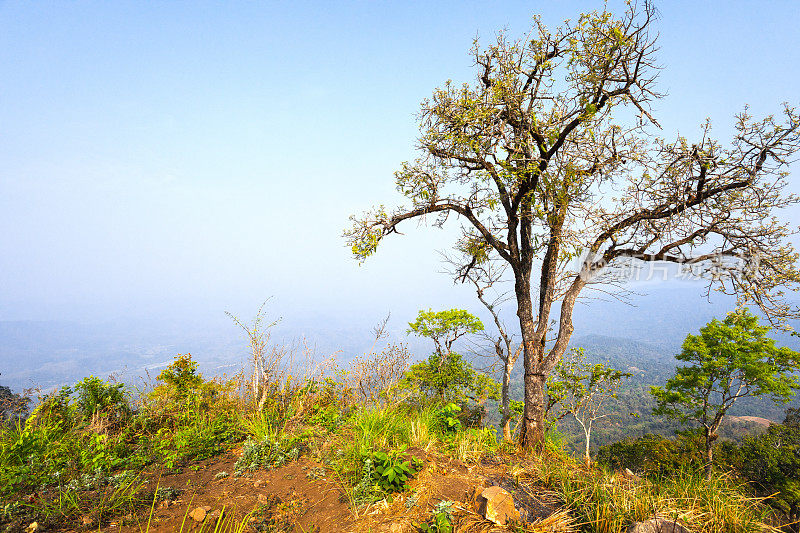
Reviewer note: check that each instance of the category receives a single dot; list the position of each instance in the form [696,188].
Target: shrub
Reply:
[441,519]
[655,455]
[382,474]
[393,470]
[181,375]
[13,406]
[448,418]
[42,449]
[268,454]
[771,462]
[447,378]
[99,398]
[376,372]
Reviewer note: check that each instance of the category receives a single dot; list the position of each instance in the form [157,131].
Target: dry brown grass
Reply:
[466,520]
[610,502]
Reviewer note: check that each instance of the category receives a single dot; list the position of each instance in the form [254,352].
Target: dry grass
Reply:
[466,520]
[609,503]
[421,435]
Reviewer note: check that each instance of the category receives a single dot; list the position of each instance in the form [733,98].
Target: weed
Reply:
[315,473]
[167,493]
[366,491]
[448,418]
[412,500]
[441,519]
[393,470]
[277,516]
[267,454]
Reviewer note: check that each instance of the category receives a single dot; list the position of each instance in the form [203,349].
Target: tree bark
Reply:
[710,437]
[506,421]
[586,457]
[531,433]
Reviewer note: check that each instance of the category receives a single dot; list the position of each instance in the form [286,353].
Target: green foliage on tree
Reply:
[730,359]
[448,378]
[445,327]
[446,375]
[654,456]
[581,389]
[181,375]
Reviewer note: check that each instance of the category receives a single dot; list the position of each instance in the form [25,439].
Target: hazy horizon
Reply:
[165,163]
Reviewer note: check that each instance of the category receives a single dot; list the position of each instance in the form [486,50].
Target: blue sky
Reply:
[183,158]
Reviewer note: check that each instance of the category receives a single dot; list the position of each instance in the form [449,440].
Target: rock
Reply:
[34,526]
[199,514]
[657,525]
[399,527]
[475,497]
[257,483]
[497,505]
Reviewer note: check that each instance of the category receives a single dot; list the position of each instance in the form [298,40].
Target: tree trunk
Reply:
[586,457]
[532,432]
[531,435]
[505,422]
[507,431]
[710,437]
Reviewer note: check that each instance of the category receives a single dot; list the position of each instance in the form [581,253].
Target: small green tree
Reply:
[446,374]
[181,375]
[581,389]
[450,379]
[727,361]
[97,398]
[445,327]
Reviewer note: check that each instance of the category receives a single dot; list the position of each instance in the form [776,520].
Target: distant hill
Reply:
[643,333]
[651,364]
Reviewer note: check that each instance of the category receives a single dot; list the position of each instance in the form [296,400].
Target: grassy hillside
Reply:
[315,453]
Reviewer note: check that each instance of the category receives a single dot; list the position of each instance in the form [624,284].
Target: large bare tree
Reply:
[549,159]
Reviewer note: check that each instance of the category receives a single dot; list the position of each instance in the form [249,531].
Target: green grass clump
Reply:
[267,454]
[76,448]
[606,502]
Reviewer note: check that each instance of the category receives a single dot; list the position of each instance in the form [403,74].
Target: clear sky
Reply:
[176,158]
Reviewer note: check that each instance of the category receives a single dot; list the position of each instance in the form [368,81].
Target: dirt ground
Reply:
[304,496]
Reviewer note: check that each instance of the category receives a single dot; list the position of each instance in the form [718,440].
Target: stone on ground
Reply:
[497,505]
[199,514]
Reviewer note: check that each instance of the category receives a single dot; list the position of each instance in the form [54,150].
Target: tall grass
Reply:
[608,503]
[261,427]
[423,430]
[470,445]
